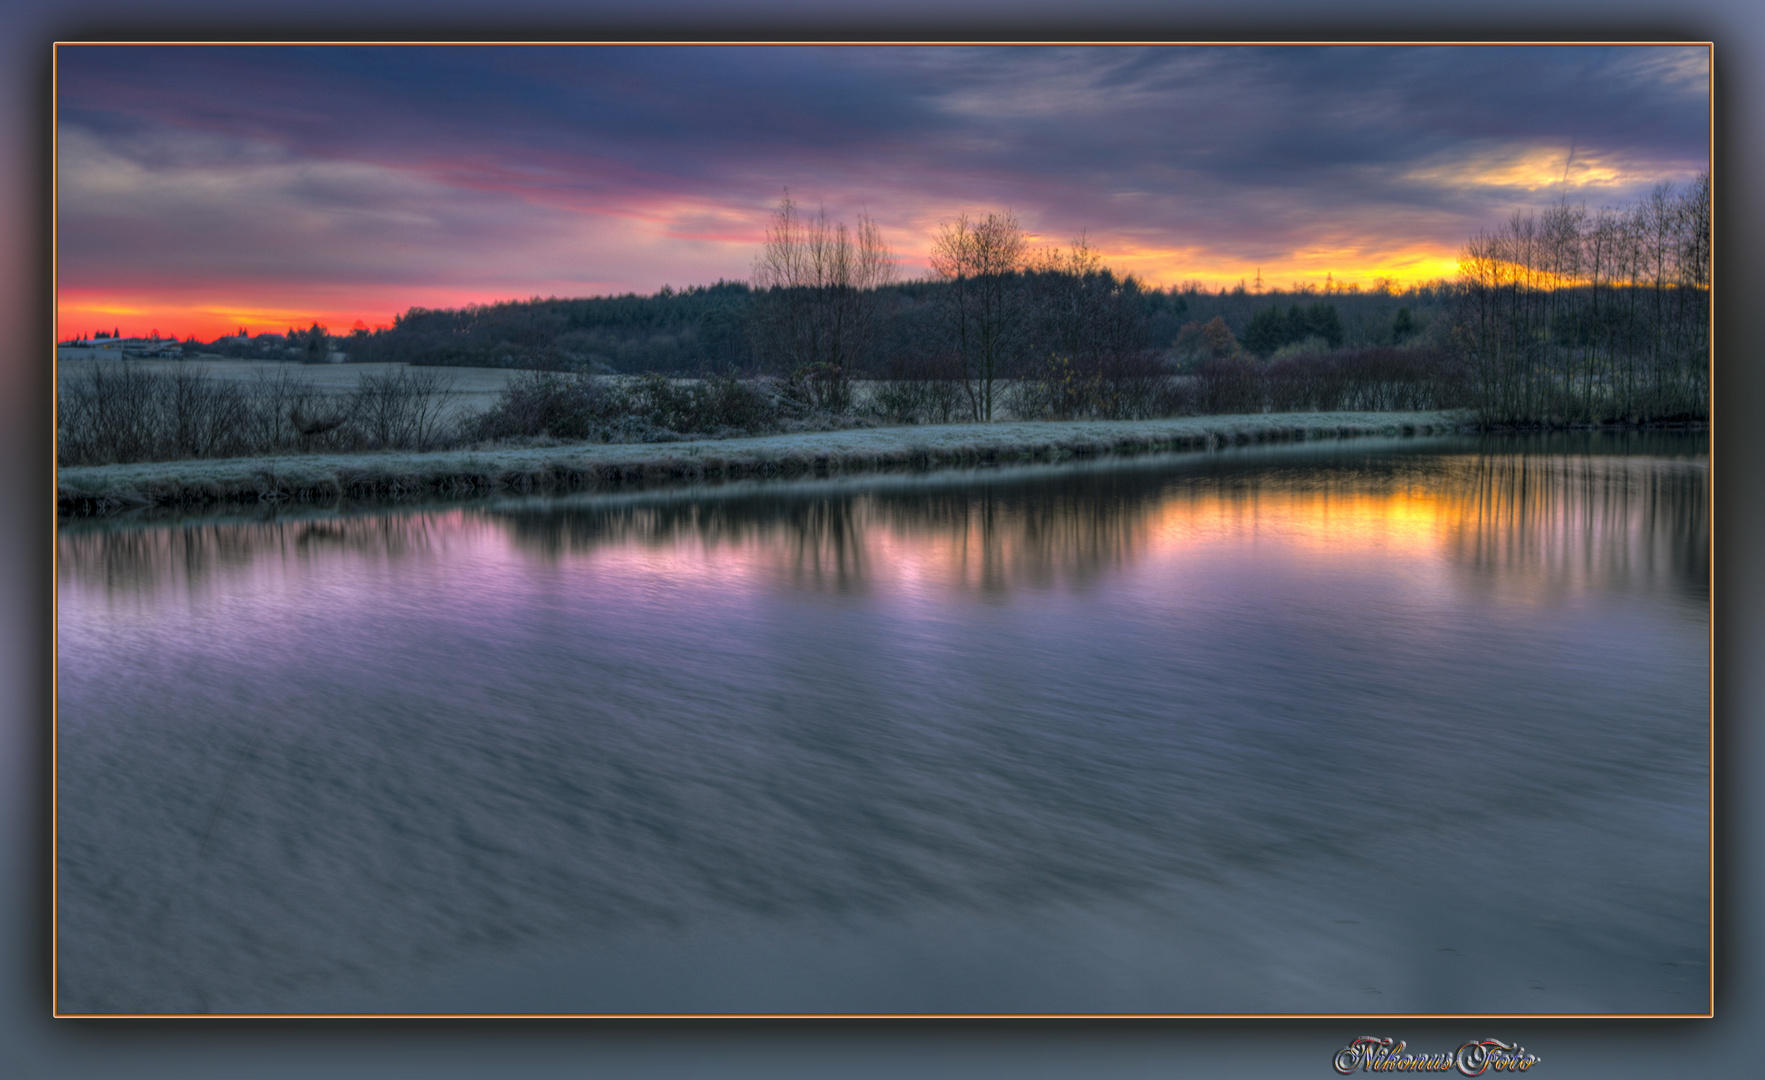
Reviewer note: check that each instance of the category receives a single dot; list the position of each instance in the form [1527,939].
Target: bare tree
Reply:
[402,409]
[981,261]
[816,313]
[1089,354]
[1585,316]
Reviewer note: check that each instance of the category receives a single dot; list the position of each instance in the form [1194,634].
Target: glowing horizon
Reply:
[203,188]
[79,317]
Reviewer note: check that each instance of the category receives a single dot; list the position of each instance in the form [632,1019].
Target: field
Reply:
[473,389]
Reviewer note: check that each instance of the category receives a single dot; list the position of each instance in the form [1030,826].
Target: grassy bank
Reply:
[102,489]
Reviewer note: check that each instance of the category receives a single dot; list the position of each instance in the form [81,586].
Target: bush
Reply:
[115,412]
[1228,384]
[730,403]
[534,403]
[118,412]
[1388,377]
[282,405]
[724,405]
[1057,390]
[1304,381]
[920,388]
[1375,379]
[817,388]
[402,409]
[1312,345]
[1121,386]
[653,408]
[1196,342]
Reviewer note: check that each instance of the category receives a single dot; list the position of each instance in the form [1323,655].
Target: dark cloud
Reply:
[399,162]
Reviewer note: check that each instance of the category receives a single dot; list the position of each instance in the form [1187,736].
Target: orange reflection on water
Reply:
[1318,522]
[1523,527]
[1516,527]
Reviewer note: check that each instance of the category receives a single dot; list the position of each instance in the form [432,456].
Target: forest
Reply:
[709,329]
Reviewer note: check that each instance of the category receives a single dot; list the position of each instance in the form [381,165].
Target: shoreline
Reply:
[102,490]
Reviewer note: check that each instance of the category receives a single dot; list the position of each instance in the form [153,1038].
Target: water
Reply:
[1380,726]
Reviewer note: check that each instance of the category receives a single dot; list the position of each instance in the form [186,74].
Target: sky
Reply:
[201,189]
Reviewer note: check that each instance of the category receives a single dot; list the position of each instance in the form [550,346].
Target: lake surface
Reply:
[1378,726]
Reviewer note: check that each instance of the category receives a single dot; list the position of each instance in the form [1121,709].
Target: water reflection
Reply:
[1532,522]
[138,559]
[1563,522]
[1271,731]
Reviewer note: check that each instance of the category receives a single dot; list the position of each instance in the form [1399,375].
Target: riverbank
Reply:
[106,489]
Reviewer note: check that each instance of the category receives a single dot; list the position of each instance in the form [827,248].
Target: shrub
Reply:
[118,411]
[1228,384]
[563,406]
[402,409]
[723,405]
[728,402]
[920,388]
[1057,390]
[1196,342]
[1375,379]
[1119,386]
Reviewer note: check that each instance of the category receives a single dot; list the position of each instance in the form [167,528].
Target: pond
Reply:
[1373,726]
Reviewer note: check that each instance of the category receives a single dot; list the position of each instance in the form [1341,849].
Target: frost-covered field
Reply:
[106,488]
[471,389]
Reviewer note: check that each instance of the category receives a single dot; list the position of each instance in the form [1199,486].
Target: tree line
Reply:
[1056,330]
[1562,317]
[824,303]
[1591,316]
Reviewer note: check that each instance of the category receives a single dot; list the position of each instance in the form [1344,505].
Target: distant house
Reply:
[162,347]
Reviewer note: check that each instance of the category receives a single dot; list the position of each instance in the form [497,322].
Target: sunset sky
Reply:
[201,189]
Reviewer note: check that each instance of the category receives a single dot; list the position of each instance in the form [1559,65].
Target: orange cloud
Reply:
[1529,168]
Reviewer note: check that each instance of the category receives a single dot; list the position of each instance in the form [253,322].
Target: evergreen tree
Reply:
[1299,325]
[1323,321]
[1266,332]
